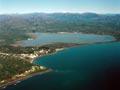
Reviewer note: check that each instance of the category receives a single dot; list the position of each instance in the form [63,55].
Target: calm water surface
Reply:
[50,38]
[89,67]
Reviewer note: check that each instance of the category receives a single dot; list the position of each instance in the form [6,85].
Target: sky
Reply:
[52,6]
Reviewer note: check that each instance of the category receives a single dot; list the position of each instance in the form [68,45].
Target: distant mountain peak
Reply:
[89,14]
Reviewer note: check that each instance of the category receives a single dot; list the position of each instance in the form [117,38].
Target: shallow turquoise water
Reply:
[89,67]
[50,38]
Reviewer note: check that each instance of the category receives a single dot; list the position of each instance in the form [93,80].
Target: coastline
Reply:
[24,78]
[14,82]
[19,79]
[57,49]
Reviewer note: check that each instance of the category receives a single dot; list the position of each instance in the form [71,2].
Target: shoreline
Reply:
[19,79]
[14,82]
[57,49]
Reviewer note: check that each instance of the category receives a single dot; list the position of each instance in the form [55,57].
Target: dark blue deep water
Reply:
[89,67]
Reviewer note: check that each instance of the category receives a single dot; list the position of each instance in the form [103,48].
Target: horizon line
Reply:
[20,13]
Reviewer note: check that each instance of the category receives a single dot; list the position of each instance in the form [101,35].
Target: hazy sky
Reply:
[79,6]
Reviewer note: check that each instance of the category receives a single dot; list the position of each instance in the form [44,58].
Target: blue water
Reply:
[50,38]
[89,67]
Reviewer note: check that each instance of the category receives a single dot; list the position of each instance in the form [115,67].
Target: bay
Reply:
[88,67]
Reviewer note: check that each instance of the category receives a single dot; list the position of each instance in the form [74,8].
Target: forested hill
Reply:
[61,22]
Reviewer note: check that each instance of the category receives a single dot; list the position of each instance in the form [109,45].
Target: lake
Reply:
[88,67]
[79,38]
